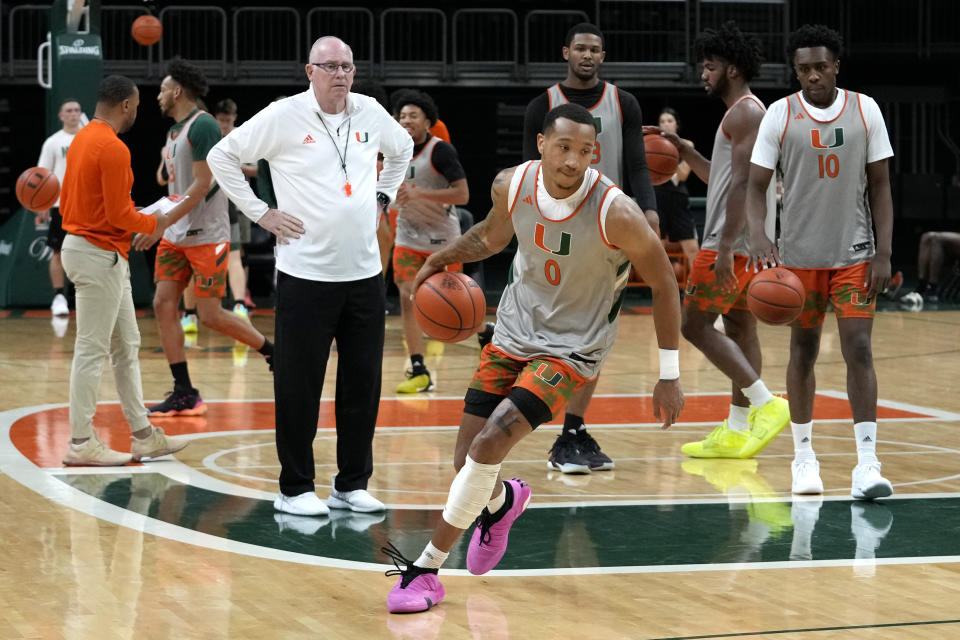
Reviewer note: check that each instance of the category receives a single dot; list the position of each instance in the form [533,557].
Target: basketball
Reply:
[775,296]
[38,189]
[146,30]
[662,158]
[450,306]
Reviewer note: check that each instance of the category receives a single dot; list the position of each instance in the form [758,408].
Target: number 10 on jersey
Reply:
[829,165]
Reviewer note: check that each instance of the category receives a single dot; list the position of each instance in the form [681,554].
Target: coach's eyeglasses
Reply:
[331,67]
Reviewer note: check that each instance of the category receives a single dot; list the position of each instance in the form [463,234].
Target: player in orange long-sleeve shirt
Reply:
[100,220]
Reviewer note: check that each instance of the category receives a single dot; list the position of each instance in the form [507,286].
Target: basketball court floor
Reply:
[660,547]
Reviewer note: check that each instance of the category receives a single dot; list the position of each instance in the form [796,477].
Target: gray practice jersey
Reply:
[826,220]
[424,225]
[718,190]
[566,283]
[189,141]
[608,151]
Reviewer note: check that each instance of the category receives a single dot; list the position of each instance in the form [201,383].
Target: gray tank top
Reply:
[718,190]
[826,220]
[424,225]
[608,151]
[209,221]
[566,284]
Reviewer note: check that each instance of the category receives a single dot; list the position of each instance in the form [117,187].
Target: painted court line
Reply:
[22,470]
[881,625]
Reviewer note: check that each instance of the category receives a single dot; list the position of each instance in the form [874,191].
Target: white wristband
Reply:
[669,364]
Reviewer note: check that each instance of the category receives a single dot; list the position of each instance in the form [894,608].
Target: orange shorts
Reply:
[553,381]
[705,293]
[205,263]
[844,288]
[407,262]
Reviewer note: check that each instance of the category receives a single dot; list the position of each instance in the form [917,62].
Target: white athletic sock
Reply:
[803,441]
[739,418]
[495,503]
[431,558]
[866,434]
[758,394]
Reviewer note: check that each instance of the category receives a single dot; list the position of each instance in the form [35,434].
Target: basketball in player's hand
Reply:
[775,296]
[662,158]
[146,30]
[38,189]
[450,306]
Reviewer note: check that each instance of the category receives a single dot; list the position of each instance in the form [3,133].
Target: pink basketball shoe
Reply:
[417,590]
[489,540]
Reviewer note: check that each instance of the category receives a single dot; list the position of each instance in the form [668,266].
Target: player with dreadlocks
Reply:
[718,279]
[195,247]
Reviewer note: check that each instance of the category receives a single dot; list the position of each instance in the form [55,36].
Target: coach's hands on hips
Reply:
[667,401]
[428,269]
[878,275]
[283,225]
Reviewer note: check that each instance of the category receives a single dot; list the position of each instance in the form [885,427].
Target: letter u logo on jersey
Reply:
[837,139]
[565,238]
[366,136]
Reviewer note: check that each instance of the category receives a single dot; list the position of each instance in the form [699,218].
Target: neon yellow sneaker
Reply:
[416,383]
[765,423]
[188,322]
[723,442]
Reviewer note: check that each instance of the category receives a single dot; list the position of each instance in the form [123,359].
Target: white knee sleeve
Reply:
[470,493]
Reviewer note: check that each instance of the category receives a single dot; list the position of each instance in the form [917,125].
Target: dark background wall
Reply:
[485,121]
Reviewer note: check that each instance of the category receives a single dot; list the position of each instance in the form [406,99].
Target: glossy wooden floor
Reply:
[661,547]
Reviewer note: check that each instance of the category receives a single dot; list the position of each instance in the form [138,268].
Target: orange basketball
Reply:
[38,188]
[662,158]
[776,296]
[146,30]
[450,306]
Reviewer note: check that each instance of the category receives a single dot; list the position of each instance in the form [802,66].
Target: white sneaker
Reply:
[868,483]
[305,504]
[358,500]
[806,476]
[59,306]
[156,444]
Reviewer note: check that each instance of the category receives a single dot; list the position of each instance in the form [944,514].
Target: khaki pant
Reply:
[106,325]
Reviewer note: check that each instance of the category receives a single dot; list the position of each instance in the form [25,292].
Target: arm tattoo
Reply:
[470,247]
